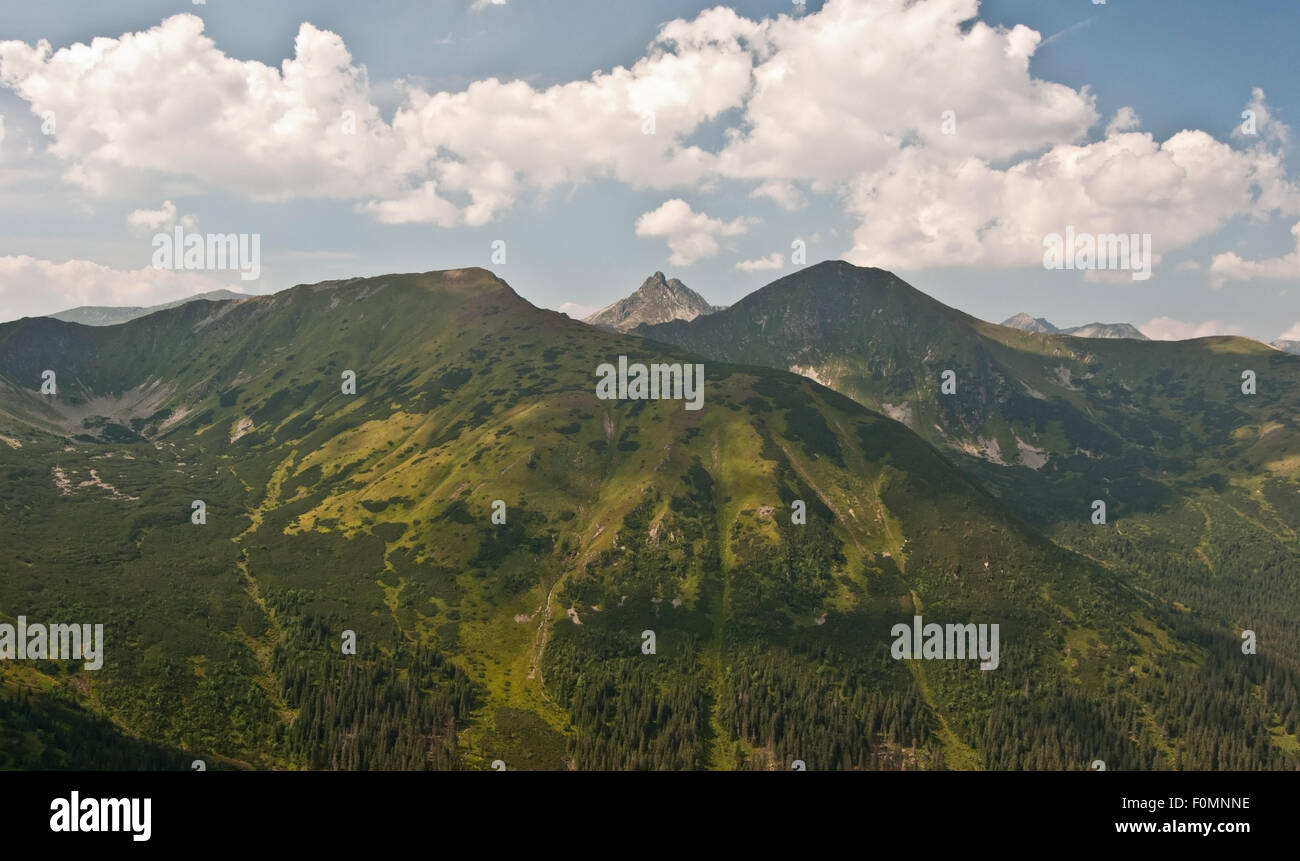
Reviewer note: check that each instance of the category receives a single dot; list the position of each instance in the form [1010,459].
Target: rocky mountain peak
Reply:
[659,299]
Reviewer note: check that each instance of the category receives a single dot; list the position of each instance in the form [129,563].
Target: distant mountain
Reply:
[1106,330]
[657,300]
[1026,323]
[1292,347]
[108,315]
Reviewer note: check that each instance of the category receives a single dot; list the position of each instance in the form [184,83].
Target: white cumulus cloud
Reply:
[784,194]
[1230,266]
[168,102]
[1169,329]
[926,210]
[577,311]
[691,235]
[771,261]
[1125,119]
[1266,124]
[846,102]
[162,218]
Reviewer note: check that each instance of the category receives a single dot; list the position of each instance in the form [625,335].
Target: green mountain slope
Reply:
[522,641]
[1201,481]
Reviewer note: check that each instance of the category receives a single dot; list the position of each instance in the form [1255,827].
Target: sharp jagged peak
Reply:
[659,299]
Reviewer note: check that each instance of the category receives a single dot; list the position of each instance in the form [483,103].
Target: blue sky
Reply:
[839,138]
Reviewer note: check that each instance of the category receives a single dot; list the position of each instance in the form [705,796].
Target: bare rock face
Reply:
[1106,330]
[1089,330]
[657,300]
[1287,346]
[1030,324]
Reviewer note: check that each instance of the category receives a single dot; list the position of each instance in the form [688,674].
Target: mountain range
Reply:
[1027,323]
[1050,404]
[420,464]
